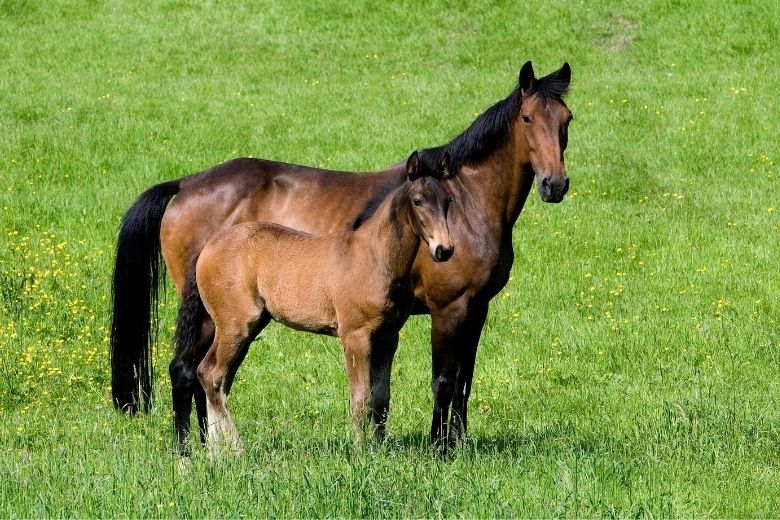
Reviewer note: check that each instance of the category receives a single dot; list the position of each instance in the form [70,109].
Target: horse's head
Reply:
[429,204]
[544,122]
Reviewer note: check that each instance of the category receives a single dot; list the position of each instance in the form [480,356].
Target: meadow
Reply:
[629,368]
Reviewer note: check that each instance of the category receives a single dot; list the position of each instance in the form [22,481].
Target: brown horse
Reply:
[355,285]
[496,159]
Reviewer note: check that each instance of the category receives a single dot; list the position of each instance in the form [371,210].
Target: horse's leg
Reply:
[185,385]
[382,353]
[467,352]
[447,324]
[357,356]
[217,371]
[194,335]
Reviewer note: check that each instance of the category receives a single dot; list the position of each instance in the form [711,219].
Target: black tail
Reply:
[135,290]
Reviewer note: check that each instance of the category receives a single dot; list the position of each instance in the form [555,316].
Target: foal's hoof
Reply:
[183,465]
[218,450]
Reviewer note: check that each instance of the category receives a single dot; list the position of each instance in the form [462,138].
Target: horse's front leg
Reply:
[382,353]
[357,356]
[455,332]
[466,353]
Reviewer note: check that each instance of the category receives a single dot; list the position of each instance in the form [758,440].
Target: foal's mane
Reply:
[376,200]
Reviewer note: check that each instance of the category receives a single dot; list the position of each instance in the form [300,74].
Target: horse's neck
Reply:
[389,235]
[496,189]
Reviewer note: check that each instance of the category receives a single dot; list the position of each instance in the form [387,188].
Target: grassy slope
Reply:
[629,368]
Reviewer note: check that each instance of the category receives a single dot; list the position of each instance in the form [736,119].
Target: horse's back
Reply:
[243,190]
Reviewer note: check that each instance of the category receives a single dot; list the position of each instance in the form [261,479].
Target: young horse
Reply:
[496,159]
[354,285]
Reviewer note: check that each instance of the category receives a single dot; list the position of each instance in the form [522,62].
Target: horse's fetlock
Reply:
[443,384]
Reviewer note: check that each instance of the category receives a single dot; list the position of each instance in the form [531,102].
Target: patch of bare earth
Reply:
[617,33]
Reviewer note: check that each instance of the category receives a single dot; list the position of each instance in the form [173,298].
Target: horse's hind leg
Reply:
[185,386]
[194,334]
[382,353]
[217,371]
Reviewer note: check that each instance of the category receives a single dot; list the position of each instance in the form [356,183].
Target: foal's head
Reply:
[429,204]
[544,119]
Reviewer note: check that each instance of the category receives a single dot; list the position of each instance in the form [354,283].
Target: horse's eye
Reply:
[417,202]
[526,120]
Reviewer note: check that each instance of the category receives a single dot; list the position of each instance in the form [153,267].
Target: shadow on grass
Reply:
[552,439]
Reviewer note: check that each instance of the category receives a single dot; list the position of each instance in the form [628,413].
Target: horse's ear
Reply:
[444,166]
[527,78]
[413,166]
[565,73]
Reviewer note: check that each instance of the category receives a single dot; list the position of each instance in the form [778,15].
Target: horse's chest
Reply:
[398,299]
[497,273]
[476,269]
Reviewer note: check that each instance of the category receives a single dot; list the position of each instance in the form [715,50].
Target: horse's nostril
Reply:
[546,182]
[437,252]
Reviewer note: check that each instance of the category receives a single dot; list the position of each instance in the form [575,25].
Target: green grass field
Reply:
[630,367]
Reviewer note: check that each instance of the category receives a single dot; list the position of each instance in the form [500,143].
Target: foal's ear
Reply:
[413,166]
[444,166]
[527,78]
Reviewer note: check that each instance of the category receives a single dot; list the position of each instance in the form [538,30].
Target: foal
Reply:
[354,285]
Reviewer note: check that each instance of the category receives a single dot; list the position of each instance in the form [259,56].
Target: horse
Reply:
[354,285]
[496,159]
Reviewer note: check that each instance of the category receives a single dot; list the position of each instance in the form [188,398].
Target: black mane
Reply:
[375,201]
[488,132]
[552,86]
[491,129]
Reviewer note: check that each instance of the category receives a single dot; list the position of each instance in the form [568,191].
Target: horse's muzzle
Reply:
[553,189]
[442,253]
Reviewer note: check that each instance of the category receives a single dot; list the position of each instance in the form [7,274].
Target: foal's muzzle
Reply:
[552,189]
[442,253]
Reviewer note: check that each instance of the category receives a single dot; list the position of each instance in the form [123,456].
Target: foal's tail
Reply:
[135,290]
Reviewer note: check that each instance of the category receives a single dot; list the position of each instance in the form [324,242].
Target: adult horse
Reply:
[496,159]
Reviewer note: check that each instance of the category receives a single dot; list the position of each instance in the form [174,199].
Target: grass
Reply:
[628,369]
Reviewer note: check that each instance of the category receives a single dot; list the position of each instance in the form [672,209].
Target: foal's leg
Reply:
[357,356]
[217,371]
[382,353]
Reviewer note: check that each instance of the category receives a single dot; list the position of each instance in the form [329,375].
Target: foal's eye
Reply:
[417,202]
[526,120]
